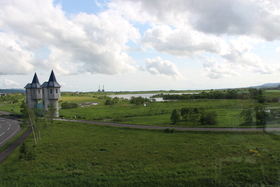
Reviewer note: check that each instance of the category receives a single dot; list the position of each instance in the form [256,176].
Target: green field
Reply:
[156,113]
[76,154]
[79,154]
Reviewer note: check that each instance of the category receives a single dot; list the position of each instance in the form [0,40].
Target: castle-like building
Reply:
[41,96]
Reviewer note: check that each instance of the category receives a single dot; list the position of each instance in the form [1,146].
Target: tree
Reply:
[110,101]
[68,105]
[51,112]
[29,117]
[247,115]
[175,116]
[260,114]
[25,153]
[191,114]
[209,118]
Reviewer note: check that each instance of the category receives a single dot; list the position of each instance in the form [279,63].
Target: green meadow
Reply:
[92,107]
[79,154]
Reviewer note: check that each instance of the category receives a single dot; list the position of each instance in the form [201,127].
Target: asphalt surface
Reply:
[14,145]
[176,128]
[8,129]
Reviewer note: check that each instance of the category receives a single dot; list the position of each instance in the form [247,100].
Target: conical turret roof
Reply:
[35,83]
[52,82]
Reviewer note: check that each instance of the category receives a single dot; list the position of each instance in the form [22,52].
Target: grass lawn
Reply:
[77,154]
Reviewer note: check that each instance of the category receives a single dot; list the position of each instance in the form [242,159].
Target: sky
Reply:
[134,45]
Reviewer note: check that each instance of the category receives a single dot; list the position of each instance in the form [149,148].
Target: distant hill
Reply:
[12,90]
[267,85]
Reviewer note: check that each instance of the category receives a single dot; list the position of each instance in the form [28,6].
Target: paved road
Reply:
[14,145]
[8,129]
[177,128]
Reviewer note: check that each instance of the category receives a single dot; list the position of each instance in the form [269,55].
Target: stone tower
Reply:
[41,96]
[51,93]
[34,93]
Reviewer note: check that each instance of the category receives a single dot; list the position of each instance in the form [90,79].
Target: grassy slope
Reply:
[73,154]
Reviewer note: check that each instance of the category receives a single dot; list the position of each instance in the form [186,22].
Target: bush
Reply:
[175,116]
[168,130]
[139,100]
[68,105]
[110,101]
[209,118]
[25,153]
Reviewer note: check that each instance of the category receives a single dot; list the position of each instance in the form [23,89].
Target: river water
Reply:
[149,95]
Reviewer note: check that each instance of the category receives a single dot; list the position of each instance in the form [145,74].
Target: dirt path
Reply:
[160,127]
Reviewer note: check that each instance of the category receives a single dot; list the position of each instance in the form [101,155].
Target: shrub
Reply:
[168,130]
[209,118]
[110,101]
[175,116]
[139,100]
[68,105]
[25,153]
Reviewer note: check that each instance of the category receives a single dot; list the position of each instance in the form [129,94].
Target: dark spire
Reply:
[52,82]
[35,82]
[35,79]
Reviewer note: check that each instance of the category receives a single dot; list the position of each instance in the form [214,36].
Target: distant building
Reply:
[103,90]
[41,96]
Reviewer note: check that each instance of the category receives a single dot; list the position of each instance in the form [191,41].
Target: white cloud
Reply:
[82,43]
[215,70]
[231,17]
[278,49]
[182,42]
[14,58]
[158,66]
[10,84]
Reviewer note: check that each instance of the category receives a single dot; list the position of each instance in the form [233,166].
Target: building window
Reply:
[33,91]
[38,91]
[51,91]
[55,90]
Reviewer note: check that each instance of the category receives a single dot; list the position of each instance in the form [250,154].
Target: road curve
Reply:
[176,128]
[8,129]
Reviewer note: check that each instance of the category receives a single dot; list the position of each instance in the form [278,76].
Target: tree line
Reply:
[194,116]
[12,98]
[257,94]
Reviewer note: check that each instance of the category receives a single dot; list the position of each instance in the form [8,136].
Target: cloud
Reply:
[193,44]
[14,58]
[232,17]
[237,17]
[215,70]
[182,42]
[81,43]
[10,84]
[158,66]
